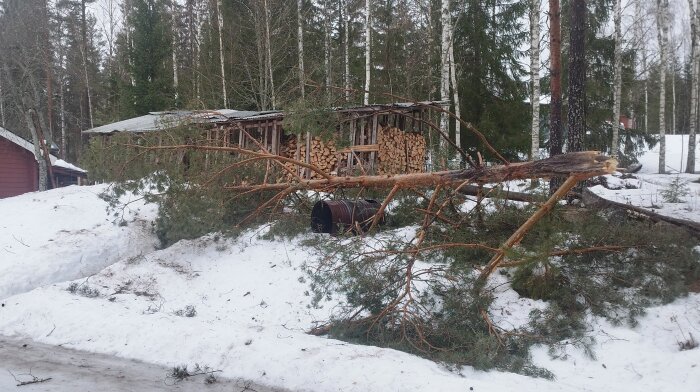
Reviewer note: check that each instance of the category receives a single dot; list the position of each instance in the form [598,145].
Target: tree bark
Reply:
[455,91]
[220,25]
[555,121]
[445,65]
[535,77]
[174,54]
[617,83]
[368,49]
[577,77]
[268,51]
[662,11]
[695,56]
[327,48]
[300,46]
[38,154]
[2,103]
[583,164]
[346,52]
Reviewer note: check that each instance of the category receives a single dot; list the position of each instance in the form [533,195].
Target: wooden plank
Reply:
[362,148]
[373,140]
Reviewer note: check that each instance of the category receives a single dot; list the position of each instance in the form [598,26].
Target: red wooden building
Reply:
[19,170]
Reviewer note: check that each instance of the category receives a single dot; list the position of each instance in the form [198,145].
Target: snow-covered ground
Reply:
[250,308]
[650,186]
[65,234]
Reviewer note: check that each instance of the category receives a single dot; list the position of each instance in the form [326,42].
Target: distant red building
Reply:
[628,123]
[19,170]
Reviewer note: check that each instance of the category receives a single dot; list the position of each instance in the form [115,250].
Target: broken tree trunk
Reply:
[584,164]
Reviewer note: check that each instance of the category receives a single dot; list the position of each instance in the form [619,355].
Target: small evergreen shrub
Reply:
[676,192]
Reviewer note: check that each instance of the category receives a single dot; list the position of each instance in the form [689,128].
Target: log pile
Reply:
[288,149]
[400,152]
[323,155]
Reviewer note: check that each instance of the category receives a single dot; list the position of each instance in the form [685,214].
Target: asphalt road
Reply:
[80,371]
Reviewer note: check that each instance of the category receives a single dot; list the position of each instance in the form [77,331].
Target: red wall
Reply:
[19,172]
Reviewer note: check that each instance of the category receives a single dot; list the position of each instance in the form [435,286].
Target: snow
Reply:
[650,185]
[65,165]
[253,306]
[65,234]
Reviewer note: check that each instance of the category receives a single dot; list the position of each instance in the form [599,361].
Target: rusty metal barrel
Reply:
[334,216]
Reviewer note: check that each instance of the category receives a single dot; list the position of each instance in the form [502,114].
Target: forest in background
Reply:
[72,70]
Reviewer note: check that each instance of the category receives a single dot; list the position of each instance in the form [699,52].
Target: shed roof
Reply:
[29,146]
[154,121]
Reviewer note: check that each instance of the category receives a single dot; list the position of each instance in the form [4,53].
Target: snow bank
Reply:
[253,308]
[65,234]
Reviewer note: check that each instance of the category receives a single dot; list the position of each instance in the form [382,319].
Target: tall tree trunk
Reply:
[455,92]
[268,52]
[346,25]
[617,83]
[535,76]
[368,49]
[300,45]
[695,62]
[175,46]
[662,11]
[555,121]
[48,65]
[445,65]
[2,103]
[28,111]
[577,77]
[220,24]
[327,48]
[83,49]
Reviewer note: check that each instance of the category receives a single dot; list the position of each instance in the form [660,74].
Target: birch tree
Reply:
[617,82]
[220,25]
[368,49]
[300,45]
[535,76]
[694,68]
[268,54]
[455,92]
[445,63]
[173,12]
[662,27]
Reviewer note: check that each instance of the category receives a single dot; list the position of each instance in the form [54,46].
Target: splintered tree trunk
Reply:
[368,49]
[555,126]
[535,76]
[577,76]
[445,65]
[617,83]
[220,25]
[582,164]
[662,10]
[300,45]
[695,56]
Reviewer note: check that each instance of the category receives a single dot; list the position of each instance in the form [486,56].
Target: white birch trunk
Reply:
[220,23]
[445,65]
[175,42]
[368,49]
[617,82]
[300,47]
[455,92]
[535,76]
[327,49]
[694,67]
[662,25]
[268,51]
[346,23]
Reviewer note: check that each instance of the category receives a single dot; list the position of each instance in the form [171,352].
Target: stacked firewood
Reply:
[323,155]
[400,152]
[288,149]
